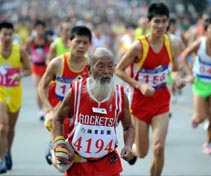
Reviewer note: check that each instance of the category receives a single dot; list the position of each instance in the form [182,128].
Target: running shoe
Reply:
[48,156]
[132,161]
[180,92]
[207,149]
[206,125]
[42,118]
[41,115]
[3,168]
[8,160]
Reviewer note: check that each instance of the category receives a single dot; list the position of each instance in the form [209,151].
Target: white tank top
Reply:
[202,64]
[202,51]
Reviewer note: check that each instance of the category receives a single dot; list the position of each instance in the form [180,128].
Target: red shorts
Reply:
[102,167]
[53,99]
[38,69]
[145,108]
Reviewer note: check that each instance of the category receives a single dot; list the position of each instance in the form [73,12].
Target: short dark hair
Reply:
[81,31]
[207,23]
[157,9]
[39,22]
[172,21]
[7,25]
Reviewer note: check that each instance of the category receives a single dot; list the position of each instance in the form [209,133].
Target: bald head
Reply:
[102,69]
[100,53]
[101,64]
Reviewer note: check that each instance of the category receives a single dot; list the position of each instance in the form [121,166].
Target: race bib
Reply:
[6,76]
[154,77]
[62,87]
[94,141]
[39,55]
[202,70]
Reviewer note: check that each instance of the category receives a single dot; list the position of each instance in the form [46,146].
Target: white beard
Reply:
[101,91]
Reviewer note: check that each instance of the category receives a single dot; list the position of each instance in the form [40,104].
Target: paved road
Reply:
[183,145]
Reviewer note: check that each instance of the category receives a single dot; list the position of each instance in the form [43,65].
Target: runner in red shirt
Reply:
[96,106]
[62,71]
[149,58]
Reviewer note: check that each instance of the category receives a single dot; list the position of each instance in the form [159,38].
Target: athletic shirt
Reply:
[60,48]
[94,123]
[39,53]
[67,76]
[9,66]
[151,68]
[202,64]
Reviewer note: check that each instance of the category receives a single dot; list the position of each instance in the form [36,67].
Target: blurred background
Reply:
[108,19]
[115,24]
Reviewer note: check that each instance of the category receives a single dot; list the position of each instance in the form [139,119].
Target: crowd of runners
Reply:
[72,60]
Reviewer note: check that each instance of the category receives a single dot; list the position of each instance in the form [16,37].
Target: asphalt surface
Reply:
[183,146]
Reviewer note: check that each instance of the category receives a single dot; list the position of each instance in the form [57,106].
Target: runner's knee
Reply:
[158,149]
[3,128]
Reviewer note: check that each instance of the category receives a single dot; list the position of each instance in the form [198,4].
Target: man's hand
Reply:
[48,120]
[180,83]
[146,90]
[16,77]
[190,78]
[64,156]
[126,153]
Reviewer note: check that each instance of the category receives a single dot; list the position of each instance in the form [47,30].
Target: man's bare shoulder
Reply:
[53,45]
[57,60]
[56,63]
[136,44]
[135,47]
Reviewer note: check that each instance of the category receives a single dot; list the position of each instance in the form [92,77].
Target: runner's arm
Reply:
[26,71]
[52,52]
[193,48]
[45,81]
[128,128]
[176,50]
[128,132]
[60,115]
[27,47]
[132,54]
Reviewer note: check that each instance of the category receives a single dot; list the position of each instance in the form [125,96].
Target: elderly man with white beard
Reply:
[95,106]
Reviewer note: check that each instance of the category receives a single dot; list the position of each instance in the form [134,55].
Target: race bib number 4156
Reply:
[153,77]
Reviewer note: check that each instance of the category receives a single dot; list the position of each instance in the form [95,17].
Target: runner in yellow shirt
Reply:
[14,65]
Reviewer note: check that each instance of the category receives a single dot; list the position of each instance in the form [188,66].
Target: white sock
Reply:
[41,113]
